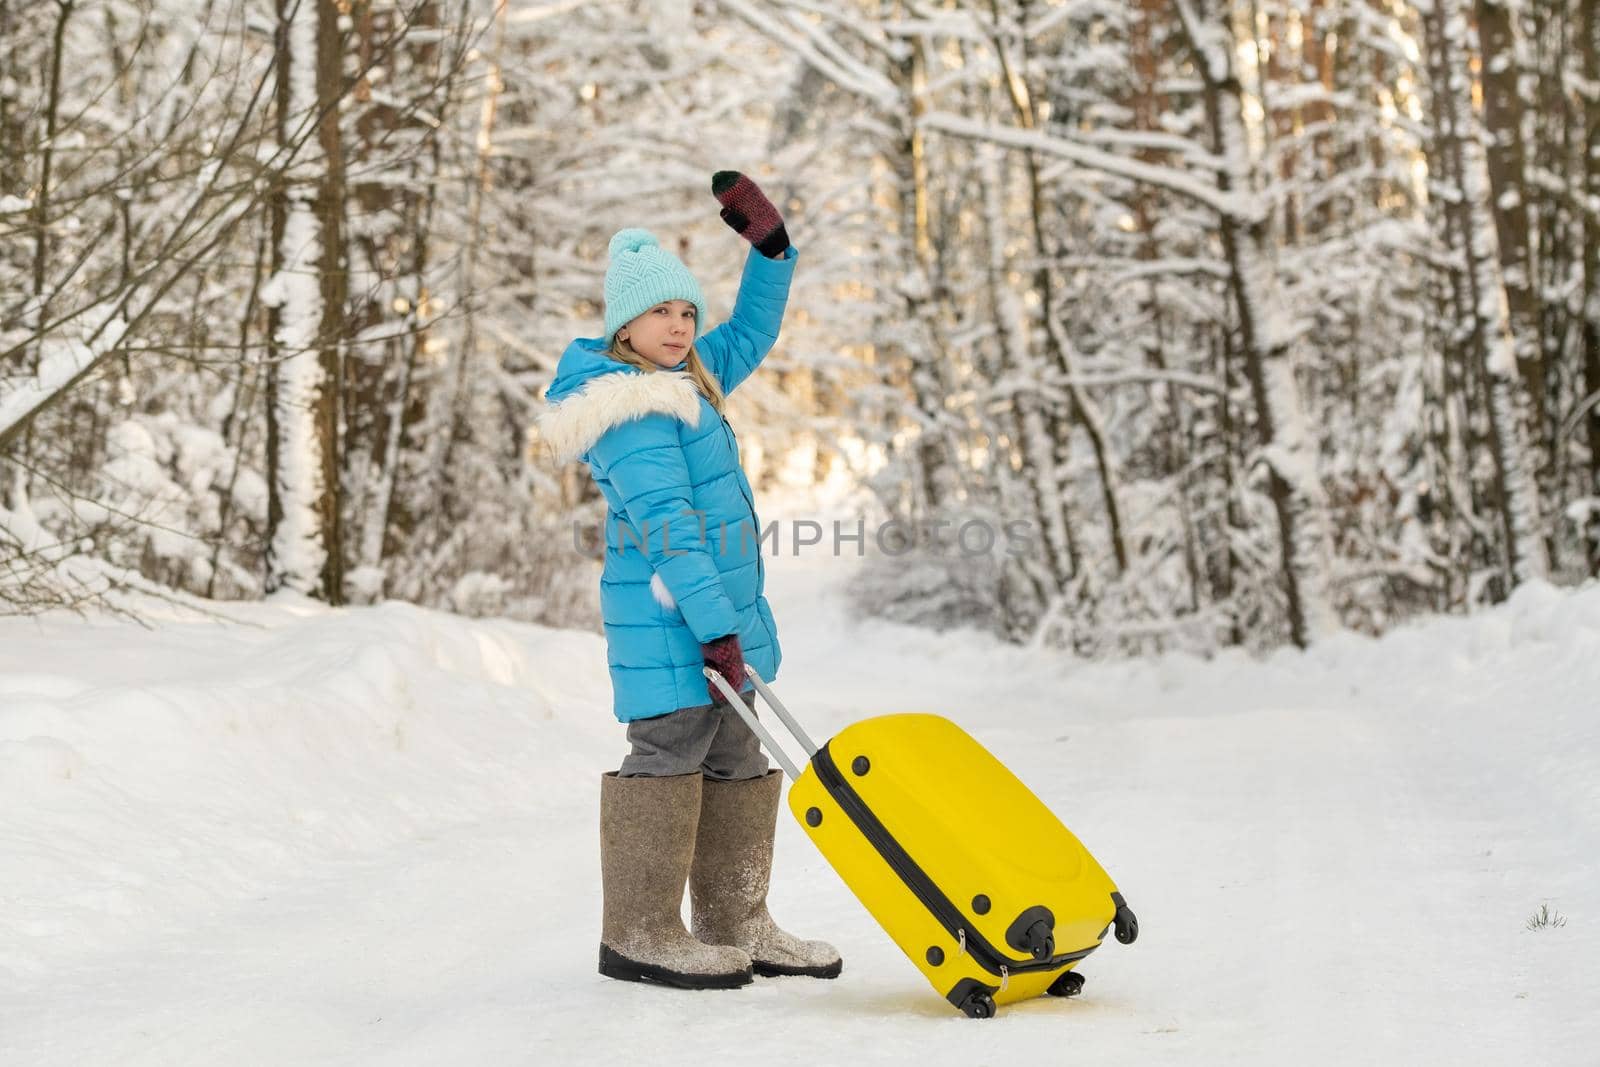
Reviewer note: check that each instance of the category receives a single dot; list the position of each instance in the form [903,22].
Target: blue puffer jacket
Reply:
[660,453]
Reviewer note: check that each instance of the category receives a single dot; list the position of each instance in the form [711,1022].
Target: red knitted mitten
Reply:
[724,656]
[746,208]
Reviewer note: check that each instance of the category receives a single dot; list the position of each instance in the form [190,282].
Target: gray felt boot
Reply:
[647,830]
[732,870]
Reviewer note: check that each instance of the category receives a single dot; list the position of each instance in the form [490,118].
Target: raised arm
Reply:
[736,348]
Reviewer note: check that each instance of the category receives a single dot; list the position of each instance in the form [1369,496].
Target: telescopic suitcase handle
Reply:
[795,729]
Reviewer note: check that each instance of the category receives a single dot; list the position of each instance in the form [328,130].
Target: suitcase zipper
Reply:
[922,887]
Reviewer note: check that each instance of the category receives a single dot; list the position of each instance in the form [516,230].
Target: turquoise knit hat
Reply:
[642,274]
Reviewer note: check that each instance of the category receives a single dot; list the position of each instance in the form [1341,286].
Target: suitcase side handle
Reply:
[795,729]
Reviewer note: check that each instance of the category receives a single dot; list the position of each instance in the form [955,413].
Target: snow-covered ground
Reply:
[369,837]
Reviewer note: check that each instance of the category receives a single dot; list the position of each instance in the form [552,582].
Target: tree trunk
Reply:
[1590,48]
[243,400]
[40,310]
[41,197]
[1147,104]
[1288,448]
[1461,499]
[1507,155]
[1026,425]
[1518,496]
[395,244]
[13,179]
[1081,409]
[306,297]
[937,477]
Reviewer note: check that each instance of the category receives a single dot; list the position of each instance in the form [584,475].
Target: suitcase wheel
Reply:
[973,998]
[1041,942]
[1070,984]
[1032,932]
[1126,922]
[978,1005]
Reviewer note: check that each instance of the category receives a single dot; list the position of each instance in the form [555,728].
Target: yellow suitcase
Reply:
[981,886]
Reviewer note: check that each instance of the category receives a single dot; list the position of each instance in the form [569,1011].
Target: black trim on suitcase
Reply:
[922,887]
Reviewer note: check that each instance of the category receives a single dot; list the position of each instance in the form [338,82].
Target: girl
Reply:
[681,590]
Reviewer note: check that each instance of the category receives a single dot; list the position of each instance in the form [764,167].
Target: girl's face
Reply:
[663,334]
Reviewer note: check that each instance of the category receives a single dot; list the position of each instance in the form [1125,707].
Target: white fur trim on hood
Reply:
[663,594]
[573,424]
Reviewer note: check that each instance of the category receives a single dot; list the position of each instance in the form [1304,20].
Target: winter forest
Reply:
[1265,318]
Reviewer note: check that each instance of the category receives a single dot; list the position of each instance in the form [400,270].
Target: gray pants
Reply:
[711,739]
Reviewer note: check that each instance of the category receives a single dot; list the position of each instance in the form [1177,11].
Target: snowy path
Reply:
[369,839]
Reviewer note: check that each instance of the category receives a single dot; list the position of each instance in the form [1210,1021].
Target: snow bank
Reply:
[149,776]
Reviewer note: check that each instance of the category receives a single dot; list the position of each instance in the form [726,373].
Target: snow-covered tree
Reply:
[305,298]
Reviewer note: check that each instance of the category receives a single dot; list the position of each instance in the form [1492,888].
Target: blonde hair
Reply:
[702,377]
